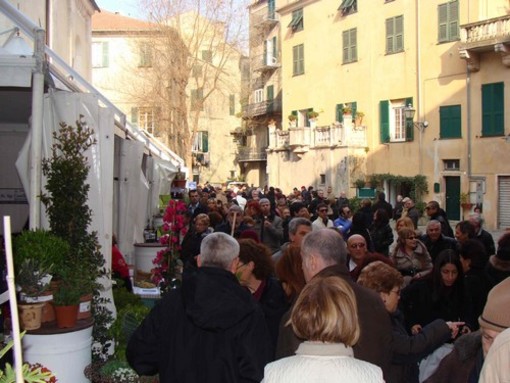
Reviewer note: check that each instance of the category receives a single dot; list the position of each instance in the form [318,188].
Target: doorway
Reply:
[452,206]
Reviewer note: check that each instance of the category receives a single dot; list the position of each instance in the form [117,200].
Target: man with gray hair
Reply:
[269,226]
[298,228]
[324,254]
[482,235]
[208,330]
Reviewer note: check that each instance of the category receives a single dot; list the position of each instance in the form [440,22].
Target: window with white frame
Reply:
[145,55]
[394,127]
[397,120]
[258,95]
[145,118]
[100,54]
[201,142]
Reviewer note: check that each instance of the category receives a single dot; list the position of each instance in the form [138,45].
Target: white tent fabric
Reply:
[67,107]
[133,191]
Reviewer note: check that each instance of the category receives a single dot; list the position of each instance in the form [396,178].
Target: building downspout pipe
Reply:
[36,128]
[468,120]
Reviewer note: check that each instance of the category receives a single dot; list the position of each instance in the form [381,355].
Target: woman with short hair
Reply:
[325,314]
[407,350]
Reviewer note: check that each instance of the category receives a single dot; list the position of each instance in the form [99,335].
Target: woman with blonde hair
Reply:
[325,314]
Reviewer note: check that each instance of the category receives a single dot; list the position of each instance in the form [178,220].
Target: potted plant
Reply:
[359,118]
[31,372]
[347,109]
[38,254]
[69,214]
[67,299]
[312,115]
[292,117]
[360,183]
[464,201]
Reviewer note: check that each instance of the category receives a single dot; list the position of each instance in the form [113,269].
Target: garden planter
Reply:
[48,312]
[30,315]
[66,316]
[85,307]
[144,255]
[66,353]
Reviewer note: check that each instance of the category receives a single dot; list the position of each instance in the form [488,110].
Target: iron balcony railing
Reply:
[261,108]
[251,155]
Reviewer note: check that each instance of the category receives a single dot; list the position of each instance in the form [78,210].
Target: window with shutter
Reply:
[349,46]
[384,121]
[450,124]
[348,6]
[493,109]
[395,34]
[339,113]
[298,60]
[197,99]
[100,54]
[296,24]
[232,104]
[448,21]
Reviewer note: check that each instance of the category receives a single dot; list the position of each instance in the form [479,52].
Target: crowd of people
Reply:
[303,288]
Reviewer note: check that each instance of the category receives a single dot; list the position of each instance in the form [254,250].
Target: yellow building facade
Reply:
[445,61]
[145,73]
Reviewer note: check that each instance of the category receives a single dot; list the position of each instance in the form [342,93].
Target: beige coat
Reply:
[496,368]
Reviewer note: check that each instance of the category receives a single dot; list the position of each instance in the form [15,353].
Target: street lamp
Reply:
[409,113]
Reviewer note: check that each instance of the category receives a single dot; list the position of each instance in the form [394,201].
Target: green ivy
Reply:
[416,185]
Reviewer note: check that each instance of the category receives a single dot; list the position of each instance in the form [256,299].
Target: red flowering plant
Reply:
[168,265]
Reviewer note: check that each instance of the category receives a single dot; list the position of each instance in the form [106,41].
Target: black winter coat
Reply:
[408,350]
[209,330]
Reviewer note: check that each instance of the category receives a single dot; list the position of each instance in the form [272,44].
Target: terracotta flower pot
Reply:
[85,307]
[66,316]
[30,315]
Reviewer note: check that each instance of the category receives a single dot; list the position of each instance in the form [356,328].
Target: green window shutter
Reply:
[294,113]
[106,54]
[354,107]
[442,16]
[270,93]
[270,98]
[399,34]
[271,9]
[134,115]
[384,117]
[345,44]
[294,60]
[354,44]
[389,35]
[232,104]
[453,26]
[205,142]
[409,122]
[275,48]
[450,124]
[339,113]
[493,109]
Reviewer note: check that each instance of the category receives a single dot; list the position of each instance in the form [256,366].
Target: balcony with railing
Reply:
[251,155]
[265,17]
[486,34]
[491,35]
[302,139]
[265,62]
[262,108]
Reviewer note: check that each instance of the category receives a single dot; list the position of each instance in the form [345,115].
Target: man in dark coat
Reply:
[382,204]
[482,235]
[195,207]
[324,254]
[435,241]
[435,213]
[209,330]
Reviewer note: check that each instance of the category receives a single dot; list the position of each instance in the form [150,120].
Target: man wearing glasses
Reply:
[322,221]
[358,256]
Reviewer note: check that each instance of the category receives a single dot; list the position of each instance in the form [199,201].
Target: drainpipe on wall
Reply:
[36,127]
[419,104]
[468,122]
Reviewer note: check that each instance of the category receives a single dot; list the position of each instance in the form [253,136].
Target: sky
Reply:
[125,7]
